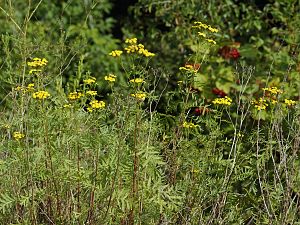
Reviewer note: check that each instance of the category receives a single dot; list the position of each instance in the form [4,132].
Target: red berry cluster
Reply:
[229,52]
[219,92]
[234,53]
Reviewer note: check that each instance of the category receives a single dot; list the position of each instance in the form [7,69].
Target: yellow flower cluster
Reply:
[136,80]
[133,47]
[18,88]
[139,95]
[29,88]
[6,126]
[37,62]
[131,41]
[261,104]
[200,25]
[40,95]
[95,104]
[67,105]
[273,90]
[222,101]
[110,78]
[188,125]
[90,80]
[18,135]
[92,93]
[75,95]
[116,53]
[289,102]
[211,41]
[202,34]
[34,71]
[139,48]
[188,68]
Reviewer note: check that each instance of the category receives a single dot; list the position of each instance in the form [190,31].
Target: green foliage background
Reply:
[134,162]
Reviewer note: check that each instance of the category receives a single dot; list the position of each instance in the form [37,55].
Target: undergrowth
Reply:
[98,148]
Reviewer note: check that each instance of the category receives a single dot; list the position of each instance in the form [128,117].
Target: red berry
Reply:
[234,53]
[219,92]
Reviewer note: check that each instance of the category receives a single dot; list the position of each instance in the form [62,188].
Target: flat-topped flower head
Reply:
[211,41]
[139,95]
[95,104]
[222,101]
[135,47]
[30,87]
[35,71]
[131,41]
[110,77]
[188,124]
[189,68]
[273,90]
[261,104]
[18,135]
[67,105]
[37,62]
[90,80]
[91,93]
[75,95]
[137,80]
[202,34]
[40,95]
[201,25]
[116,53]
[289,102]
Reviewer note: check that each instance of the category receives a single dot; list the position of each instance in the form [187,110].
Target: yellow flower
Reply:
[195,171]
[132,49]
[139,95]
[211,41]
[95,104]
[92,93]
[18,88]
[189,68]
[17,135]
[222,101]
[188,125]
[6,126]
[260,104]
[75,95]
[30,87]
[201,25]
[90,80]
[136,80]
[67,106]
[289,102]
[201,34]
[37,62]
[110,78]
[116,53]
[273,101]
[131,41]
[213,30]
[273,90]
[146,53]
[139,48]
[34,71]
[40,95]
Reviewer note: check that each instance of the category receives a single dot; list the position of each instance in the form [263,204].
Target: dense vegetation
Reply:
[149,112]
